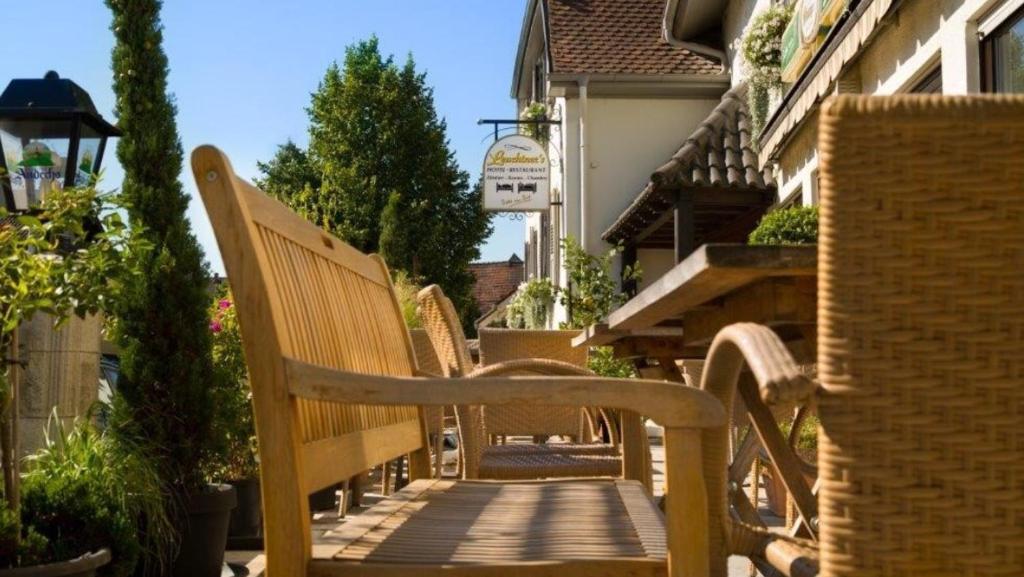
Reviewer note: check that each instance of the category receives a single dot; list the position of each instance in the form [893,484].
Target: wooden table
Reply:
[678,315]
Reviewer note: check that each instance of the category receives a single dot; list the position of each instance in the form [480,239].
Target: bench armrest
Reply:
[671,404]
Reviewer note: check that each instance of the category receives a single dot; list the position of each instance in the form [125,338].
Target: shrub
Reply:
[82,491]
[234,424]
[528,309]
[593,292]
[406,289]
[603,362]
[795,225]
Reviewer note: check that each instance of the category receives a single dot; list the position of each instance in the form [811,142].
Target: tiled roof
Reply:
[617,37]
[495,281]
[719,155]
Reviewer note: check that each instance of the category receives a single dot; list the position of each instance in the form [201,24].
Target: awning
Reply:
[712,189]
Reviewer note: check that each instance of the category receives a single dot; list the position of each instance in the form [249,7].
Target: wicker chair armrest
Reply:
[779,379]
[532,366]
[673,405]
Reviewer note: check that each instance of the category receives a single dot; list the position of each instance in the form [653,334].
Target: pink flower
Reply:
[224,304]
[216,327]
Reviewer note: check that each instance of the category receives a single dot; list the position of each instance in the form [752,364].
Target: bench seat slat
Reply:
[474,523]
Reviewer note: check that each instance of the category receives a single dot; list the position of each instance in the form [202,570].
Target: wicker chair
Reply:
[525,461]
[426,358]
[921,351]
[920,346]
[503,345]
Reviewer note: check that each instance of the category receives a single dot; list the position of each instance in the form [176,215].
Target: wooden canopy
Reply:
[712,189]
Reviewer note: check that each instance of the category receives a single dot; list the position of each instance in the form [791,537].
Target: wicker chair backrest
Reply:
[921,335]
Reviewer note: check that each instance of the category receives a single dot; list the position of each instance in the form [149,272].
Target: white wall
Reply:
[628,139]
[653,264]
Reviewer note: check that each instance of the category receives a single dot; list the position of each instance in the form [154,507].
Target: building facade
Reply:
[874,47]
[623,96]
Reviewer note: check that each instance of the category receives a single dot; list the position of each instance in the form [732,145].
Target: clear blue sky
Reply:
[242,71]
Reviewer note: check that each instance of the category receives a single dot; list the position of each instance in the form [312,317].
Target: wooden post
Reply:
[629,259]
[685,235]
[686,505]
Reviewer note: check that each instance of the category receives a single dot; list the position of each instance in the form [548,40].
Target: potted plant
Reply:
[168,386]
[234,421]
[63,521]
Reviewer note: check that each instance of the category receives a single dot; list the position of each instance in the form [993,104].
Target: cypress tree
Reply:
[165,387]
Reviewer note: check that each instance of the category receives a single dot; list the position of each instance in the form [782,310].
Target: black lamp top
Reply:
[52,96]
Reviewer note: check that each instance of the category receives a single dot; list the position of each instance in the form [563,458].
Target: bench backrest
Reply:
[921,335]
[305,295]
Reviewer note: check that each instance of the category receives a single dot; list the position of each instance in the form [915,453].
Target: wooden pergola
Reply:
[710,191]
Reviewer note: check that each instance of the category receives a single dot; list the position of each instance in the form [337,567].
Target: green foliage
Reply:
[20,550]
[528,309]
[48,265]
[406,289]
[794,225]
[167,376]
[234,426]
[83,491]
[603,362]
[762,51]
[536,111]
[379,173]
[593,292]
[807,438]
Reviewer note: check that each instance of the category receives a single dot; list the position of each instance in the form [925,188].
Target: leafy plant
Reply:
[603,362]
[593,293]
[536,111]
[794,225]
[528,309]
[762,51]
[49,264]
[84,491]
[234,425]
[406,290]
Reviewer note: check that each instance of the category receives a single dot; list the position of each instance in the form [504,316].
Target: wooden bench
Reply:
[335,392]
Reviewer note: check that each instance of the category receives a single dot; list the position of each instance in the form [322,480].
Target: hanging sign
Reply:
[517,175]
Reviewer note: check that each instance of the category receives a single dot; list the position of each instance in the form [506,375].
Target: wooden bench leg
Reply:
[686,506]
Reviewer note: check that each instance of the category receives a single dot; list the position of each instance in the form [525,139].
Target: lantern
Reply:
[50,136]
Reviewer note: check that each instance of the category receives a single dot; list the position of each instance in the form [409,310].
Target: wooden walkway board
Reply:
[712,271]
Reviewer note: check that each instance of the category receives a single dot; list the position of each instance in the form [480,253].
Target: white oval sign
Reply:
[517,175]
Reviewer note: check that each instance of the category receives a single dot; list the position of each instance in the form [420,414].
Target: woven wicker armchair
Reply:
[483,460]
[920,347]
[426,358]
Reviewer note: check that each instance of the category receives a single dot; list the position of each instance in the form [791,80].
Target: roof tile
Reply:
[617,37]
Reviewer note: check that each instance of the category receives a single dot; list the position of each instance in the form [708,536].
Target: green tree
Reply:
[167,383]
[380,174]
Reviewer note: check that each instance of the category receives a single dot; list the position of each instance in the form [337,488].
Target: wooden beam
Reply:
[685,233]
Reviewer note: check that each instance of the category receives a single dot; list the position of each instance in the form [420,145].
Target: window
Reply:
[930,84]
[539,88]
[1002,56]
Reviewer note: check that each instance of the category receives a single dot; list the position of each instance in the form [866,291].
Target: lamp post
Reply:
[50,137]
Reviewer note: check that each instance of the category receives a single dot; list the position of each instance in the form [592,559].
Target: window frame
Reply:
[987,49]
